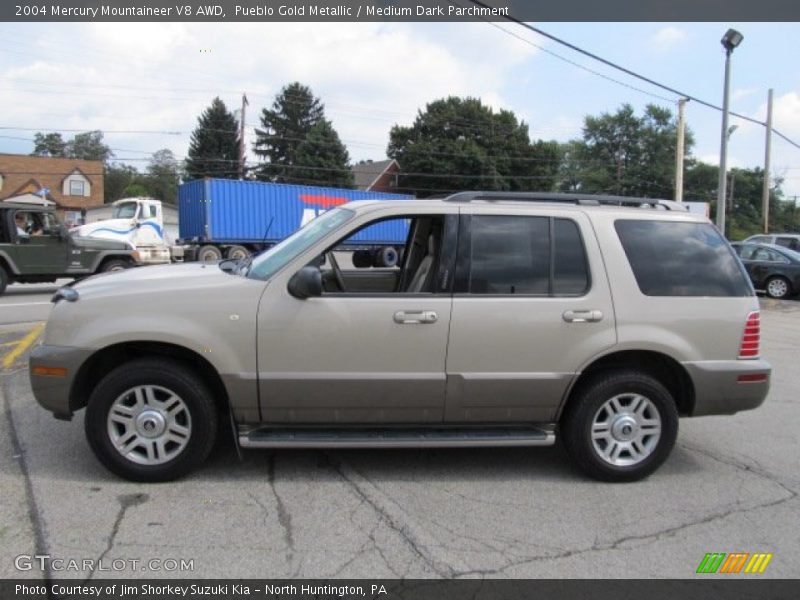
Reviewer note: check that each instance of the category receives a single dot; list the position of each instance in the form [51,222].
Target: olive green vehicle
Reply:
[510,320]
[36,248]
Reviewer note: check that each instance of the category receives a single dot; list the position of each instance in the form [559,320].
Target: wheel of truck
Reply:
[151,420]
[115,264]
[620,426]
[3,280]
[209,254]
[237,252]
[386,257]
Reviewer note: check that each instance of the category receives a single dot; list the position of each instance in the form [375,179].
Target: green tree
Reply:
[89,146]
[214,145]
[461,144]
[117,178]
[163,176]
[322,158]
[284,128]
[49,144]
[744,213]
[626,155]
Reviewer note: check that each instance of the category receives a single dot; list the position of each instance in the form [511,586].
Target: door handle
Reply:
[582,316]
[415,317]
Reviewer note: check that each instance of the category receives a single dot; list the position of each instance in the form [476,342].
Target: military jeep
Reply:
[35,247]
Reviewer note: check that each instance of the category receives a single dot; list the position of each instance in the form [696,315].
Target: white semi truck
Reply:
[140,222]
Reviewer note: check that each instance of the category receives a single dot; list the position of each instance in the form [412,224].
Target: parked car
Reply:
[511,319]
[772,268]
[35,247]
[787,240]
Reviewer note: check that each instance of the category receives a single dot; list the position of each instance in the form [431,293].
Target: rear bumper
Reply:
[725,387]
[53,393]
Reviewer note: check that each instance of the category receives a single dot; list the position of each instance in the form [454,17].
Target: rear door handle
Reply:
[582,316]
[415,317]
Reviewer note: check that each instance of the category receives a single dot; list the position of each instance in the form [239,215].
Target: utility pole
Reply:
[767,152]
[679,152]
[241,138]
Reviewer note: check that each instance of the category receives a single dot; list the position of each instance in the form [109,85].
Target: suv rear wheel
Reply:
[151,420]
[621,426]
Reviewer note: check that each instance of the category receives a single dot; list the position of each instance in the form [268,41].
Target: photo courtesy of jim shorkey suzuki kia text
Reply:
[127,590]
[343,300]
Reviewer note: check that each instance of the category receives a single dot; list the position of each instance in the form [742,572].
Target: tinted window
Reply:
[681,259]
[570,272]
[510,255]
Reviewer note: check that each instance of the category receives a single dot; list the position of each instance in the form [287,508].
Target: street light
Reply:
[730,40]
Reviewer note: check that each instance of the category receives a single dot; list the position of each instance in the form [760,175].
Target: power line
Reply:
[627,71]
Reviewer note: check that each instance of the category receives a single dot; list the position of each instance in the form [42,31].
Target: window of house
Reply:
[76,187]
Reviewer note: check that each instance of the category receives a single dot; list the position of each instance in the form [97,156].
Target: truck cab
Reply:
[139,221]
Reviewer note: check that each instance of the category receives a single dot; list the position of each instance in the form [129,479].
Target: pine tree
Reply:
[214,147]
[324,157]
[285,126]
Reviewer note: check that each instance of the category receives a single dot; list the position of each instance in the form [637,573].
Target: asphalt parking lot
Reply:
[731,485]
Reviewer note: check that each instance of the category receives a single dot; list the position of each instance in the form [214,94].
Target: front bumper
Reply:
[154,255]
[725,387]
[54,392]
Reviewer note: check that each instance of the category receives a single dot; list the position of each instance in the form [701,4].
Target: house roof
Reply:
[30,174]
[365,173]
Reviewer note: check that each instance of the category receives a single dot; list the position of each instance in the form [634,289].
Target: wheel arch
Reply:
[669,372]
[110,357]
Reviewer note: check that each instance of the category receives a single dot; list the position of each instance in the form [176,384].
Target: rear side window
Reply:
[539,256]
[681,259]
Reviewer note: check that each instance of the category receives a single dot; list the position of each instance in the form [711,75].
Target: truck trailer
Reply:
[226,218]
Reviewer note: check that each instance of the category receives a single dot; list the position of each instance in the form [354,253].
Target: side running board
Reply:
[293,437]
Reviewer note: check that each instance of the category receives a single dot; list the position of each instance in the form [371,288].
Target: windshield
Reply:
[265,265]
[126,210]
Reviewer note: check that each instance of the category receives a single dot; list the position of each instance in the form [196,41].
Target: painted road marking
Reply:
[24,304]
[22,345]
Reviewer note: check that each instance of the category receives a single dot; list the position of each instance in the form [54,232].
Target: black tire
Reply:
[115,264]
[209,253]
[165,374]
[385,257]
[3,280]
[778,287]
[237,252]
[585,406]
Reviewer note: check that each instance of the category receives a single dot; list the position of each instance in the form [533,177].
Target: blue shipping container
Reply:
[228,211]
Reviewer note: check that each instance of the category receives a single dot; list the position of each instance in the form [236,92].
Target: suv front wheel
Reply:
[151,420]
[620,426]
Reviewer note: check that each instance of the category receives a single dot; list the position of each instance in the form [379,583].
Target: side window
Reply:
[670,258]
[571,271]
[777,257]
[402,254]
[510,255]
[526,255]
[787,242]
[759,239]
[747,251]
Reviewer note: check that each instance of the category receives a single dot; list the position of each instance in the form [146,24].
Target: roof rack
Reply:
[566,198]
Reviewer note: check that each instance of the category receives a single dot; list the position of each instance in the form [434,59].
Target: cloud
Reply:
[146,76]
[668,37]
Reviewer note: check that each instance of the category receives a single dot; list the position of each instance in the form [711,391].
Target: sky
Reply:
[145,84]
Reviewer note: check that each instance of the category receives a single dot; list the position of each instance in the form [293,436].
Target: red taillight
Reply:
[751,337]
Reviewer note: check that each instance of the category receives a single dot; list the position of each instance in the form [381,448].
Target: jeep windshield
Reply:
[266,264]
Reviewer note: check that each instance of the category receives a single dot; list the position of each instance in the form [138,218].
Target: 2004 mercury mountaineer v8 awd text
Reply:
[509,319]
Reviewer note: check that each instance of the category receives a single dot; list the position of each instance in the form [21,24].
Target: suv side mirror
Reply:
[307,282]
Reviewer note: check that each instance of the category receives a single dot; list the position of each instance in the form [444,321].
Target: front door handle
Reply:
[415,317]
[582,316]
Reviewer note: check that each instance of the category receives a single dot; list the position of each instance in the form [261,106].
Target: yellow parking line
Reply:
[23,345]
